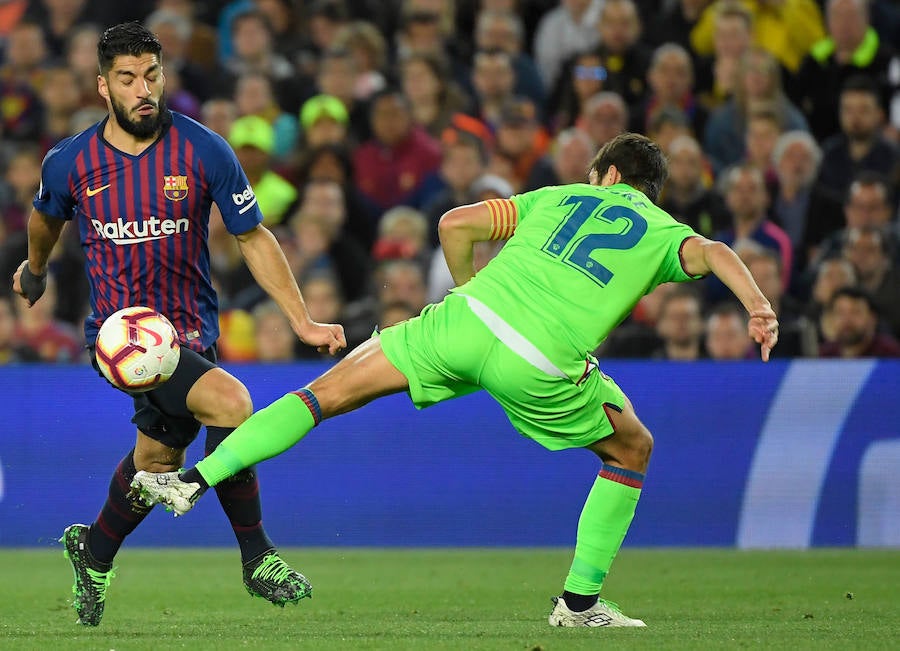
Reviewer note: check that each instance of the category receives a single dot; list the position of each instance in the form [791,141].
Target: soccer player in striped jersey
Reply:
[139,185]
[578,259]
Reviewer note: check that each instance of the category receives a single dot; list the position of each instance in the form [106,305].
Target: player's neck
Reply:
[116,136]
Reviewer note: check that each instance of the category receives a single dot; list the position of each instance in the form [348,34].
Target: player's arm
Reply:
[460,228]
[269,267]
[700,256]
[30,279]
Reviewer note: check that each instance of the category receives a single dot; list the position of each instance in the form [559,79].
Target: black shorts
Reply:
[162,413]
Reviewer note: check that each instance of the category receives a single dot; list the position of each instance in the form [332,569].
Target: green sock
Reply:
[604,521]
[265,434]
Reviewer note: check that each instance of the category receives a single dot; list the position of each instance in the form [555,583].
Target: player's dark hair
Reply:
[639,160]
[126,39]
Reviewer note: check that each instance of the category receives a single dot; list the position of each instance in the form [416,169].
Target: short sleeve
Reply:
[54,196]
[230,189]
[524,202]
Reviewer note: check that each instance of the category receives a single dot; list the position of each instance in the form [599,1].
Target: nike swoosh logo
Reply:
[91,192]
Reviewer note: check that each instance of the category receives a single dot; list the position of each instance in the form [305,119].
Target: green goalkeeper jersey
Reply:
[580,259]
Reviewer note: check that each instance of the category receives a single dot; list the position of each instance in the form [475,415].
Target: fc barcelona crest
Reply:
[175,187]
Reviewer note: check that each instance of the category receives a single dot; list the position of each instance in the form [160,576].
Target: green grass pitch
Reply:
[461,599]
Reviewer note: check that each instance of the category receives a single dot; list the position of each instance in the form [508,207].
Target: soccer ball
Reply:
[137,349]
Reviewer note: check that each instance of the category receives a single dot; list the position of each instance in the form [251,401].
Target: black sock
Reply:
[239,497]
[120,514]
[579,602]
[193,476]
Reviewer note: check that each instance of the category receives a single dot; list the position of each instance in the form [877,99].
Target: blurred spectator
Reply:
[253,141]
[332,162]
[582,78]
[674,22]
[868,252]
[758,80]
[324,21]
[717,72]
[323,205]
[853,319]
[570,156]
[219,114]
[254,95]
[21,180]
[59,17]
[668,124]
[670,79]
[851,47]
[636,336]
[463,162]
[337,77]
[745,197]
[494,81]
[20,76]
[228,269]
[392,165]
[504,30]
[727,337]
[324,119]
[625,57]
[254,51]
[680,326]
[520,138]
[762,132]
[785,28]
[402,235]
[686,196]
[401,281]
[368,46]
[860,145]
[40,335]
[562,32]
[604,117]
[831,275]
[81,58]
[174,29]
[284,21]
[61,98]
[274,338]
[801,206]
[435,97]
[429,26]
[868,204]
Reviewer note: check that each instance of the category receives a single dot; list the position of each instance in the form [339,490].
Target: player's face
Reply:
[135,90]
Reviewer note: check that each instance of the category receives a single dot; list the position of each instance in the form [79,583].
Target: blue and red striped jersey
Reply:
[144,220]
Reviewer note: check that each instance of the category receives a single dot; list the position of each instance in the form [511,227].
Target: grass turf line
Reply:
[461,599]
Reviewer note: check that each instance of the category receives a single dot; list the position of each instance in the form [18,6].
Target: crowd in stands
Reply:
[360,122]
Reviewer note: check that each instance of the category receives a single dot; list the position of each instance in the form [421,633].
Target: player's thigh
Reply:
[363,375]
[440,352]
[554,411]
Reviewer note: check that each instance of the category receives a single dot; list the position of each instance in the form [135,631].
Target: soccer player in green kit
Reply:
[578,259]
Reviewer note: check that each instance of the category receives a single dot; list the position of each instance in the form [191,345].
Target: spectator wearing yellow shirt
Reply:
[253,141]
[785,28]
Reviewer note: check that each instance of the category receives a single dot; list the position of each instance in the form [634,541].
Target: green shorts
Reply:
[448,351]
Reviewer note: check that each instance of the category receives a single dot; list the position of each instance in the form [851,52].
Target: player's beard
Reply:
[146,126]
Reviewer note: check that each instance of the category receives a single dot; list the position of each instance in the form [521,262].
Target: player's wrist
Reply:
[33,285]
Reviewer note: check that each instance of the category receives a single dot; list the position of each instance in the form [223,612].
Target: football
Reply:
[137,349]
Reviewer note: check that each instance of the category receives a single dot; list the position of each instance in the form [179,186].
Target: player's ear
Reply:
[102,87]
[611,177]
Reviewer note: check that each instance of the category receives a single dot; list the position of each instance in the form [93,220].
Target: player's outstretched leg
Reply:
[91,576]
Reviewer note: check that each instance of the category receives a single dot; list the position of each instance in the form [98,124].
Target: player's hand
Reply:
[326,337]
[763,328]
[28,285]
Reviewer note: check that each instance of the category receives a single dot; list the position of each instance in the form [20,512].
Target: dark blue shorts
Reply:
[162,413]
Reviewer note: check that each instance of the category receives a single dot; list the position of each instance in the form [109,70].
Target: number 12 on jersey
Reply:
[577,251]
